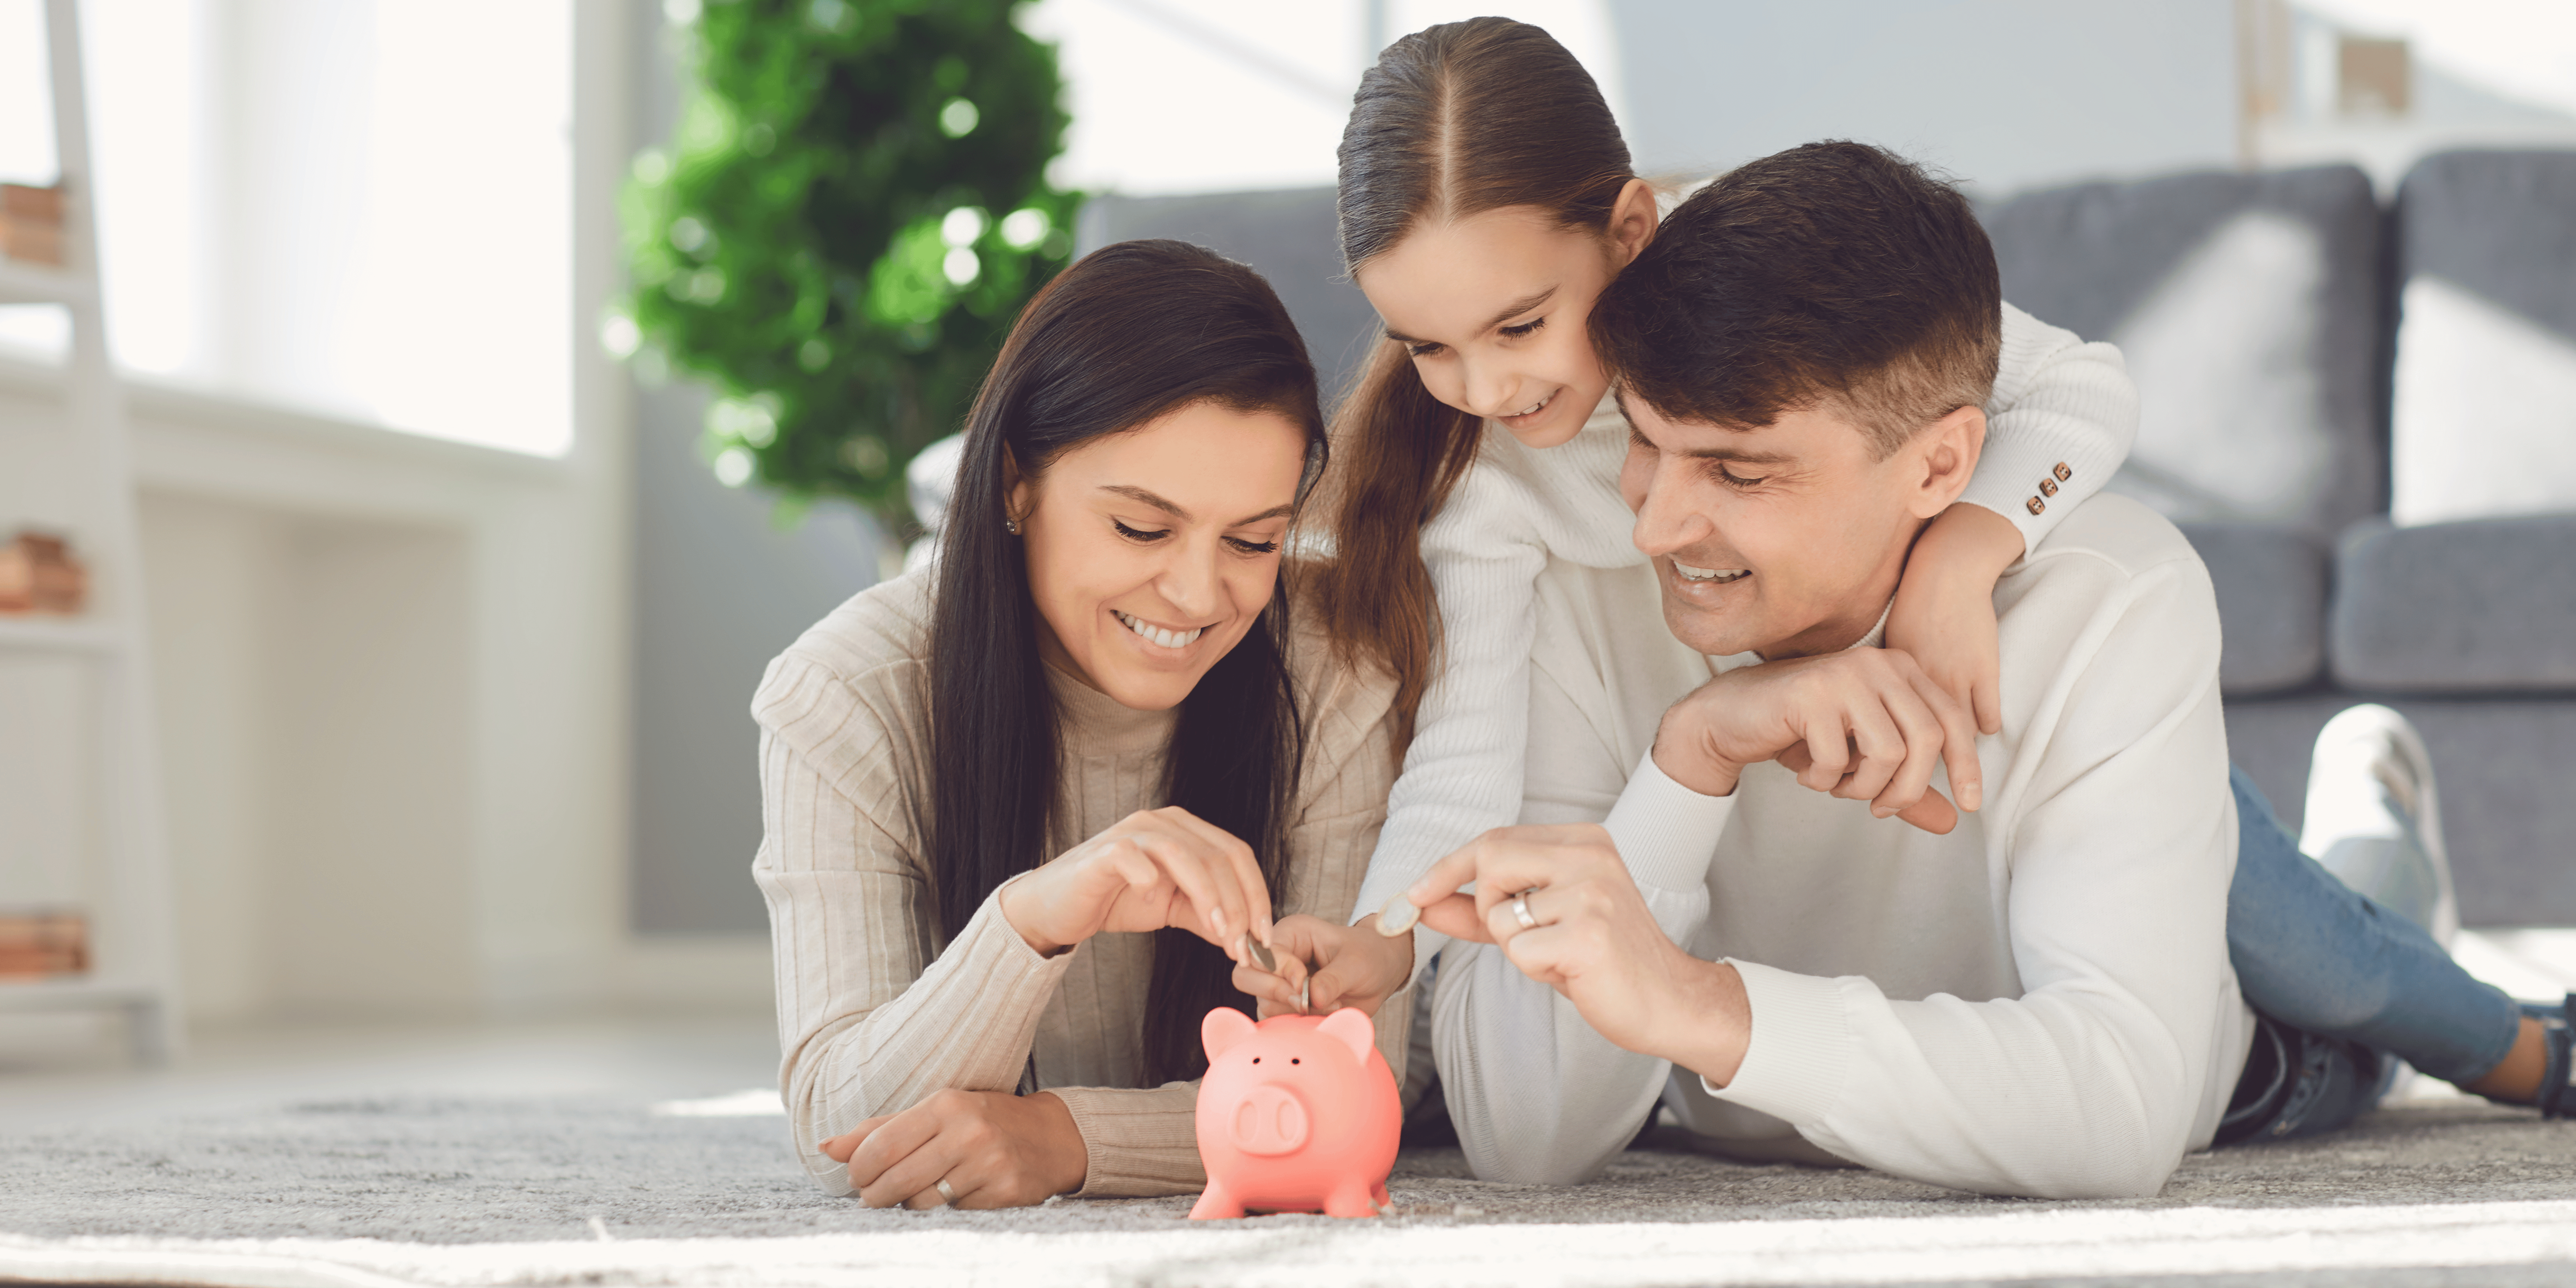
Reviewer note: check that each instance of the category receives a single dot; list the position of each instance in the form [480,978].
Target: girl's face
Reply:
[1151,552]
[1492,308]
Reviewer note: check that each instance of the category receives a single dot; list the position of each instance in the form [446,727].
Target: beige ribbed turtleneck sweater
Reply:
[875,1013]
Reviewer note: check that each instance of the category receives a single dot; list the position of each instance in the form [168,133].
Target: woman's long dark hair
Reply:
[1130,333]
[1453,120]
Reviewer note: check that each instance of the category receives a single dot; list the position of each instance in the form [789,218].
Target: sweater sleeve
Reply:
[871,1018]
[1140,1142]
[1537,1096]
[2089,1083]
[2057,401]
[1462,772]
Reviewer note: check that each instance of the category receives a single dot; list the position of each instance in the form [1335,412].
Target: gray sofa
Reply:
[2266,318]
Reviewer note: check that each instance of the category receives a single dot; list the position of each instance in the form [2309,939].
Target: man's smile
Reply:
[1718,575]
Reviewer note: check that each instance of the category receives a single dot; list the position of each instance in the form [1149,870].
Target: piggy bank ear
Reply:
[1222,1028]
[1352,1029]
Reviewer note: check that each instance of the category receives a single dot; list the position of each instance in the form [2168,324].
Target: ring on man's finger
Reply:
[947,1196]
[1521,912]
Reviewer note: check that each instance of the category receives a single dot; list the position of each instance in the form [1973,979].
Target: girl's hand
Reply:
[1153,868]
[1353,966]
[1945,606]
[994,1149]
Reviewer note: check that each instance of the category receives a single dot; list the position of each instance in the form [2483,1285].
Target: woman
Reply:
[1023,807]
[1486,199]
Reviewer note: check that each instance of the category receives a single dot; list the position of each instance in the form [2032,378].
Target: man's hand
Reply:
[1590,938]
[1945,607]
[1353,966]
[1862,724]
[994,1149]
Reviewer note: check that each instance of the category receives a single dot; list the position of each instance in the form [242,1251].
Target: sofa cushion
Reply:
[2479,606]
[2271,584]
[2249,309]
[1291,237]
[2484,418]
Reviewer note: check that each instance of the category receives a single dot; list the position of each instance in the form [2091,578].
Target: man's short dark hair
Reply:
[1830,273]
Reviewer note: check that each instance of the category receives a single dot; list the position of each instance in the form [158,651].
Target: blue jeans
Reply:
[2315,957]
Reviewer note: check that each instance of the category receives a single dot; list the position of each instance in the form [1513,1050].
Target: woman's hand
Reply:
[1945,606]
[995,1150]
[1153,868]
[1353,966]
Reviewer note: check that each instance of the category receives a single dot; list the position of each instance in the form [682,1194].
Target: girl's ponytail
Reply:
[1398,452]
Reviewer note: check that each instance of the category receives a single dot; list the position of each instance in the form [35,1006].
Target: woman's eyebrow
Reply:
[1143,497]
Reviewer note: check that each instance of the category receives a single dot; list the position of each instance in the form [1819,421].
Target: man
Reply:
[2038,1002]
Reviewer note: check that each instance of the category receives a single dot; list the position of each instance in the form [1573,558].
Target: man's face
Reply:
[1785,540]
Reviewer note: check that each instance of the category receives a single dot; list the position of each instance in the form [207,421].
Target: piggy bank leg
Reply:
[1377,1194]
[1351,1199]
[1215,1204]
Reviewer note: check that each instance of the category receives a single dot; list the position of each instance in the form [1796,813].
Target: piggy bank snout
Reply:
[1269,1120]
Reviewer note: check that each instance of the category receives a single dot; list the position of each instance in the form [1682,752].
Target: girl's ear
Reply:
[1632,221]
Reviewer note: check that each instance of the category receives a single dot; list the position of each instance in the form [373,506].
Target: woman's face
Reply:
[1152,552]
[1492,308]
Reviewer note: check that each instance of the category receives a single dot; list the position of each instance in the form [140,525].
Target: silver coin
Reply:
[1398,917]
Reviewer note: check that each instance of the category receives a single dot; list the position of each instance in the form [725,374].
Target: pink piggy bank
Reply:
[1296,1114]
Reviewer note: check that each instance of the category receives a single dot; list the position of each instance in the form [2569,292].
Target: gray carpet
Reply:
[413,1172]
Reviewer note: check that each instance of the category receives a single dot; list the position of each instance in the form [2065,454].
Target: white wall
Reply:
[2006,94]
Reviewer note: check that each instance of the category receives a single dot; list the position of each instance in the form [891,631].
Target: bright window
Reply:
[362,207]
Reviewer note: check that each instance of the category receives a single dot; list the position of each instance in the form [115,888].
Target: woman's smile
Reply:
[1162,637]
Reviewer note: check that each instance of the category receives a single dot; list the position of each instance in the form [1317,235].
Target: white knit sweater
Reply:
[2038,1003]
[2056,399]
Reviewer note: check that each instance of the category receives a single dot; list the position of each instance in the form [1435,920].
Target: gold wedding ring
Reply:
[1521,912]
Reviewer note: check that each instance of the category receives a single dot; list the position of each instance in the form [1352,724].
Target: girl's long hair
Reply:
[1452,121]
[1130,333]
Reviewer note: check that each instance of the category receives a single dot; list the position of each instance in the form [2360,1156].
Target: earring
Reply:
[1011,526]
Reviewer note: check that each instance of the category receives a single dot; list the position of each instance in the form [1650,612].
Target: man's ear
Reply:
[1632,221]
[1946,452]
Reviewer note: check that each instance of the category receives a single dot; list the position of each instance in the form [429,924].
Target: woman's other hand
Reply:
[1153,868]
[994,1149]
[1352,966]
[1945,607]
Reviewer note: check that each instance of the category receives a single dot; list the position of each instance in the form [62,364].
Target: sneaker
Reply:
[2375,820]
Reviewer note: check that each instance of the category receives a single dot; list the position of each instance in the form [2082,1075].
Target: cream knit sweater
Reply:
[2056,399]
[875,1012]
[2038,1003]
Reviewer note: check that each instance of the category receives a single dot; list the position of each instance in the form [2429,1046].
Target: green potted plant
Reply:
[853,210]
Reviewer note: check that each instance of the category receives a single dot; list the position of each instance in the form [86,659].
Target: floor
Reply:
[623,1149]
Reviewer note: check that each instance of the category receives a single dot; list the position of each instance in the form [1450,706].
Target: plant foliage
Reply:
[852,211]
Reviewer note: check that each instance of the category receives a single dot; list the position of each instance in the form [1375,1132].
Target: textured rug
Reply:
[603,1191]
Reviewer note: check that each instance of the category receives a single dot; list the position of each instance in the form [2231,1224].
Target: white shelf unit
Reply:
[128,891]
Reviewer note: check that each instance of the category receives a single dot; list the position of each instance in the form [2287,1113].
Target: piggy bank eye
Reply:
[1256,1059]
[1295,1060]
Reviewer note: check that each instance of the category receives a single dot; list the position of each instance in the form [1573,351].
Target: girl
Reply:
[1486,199]
[1098,668]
